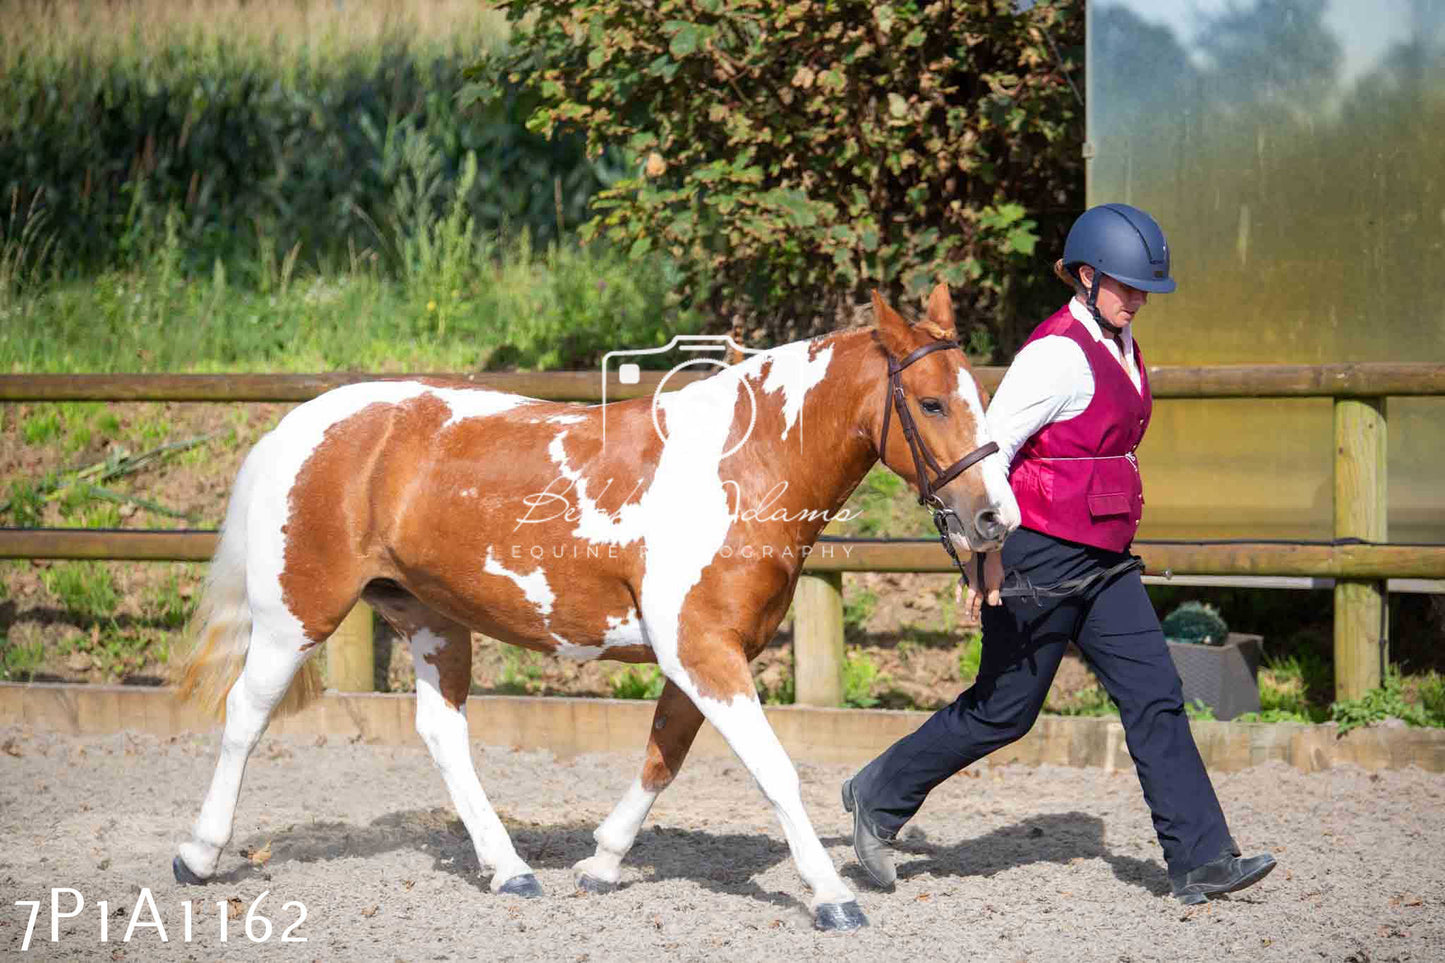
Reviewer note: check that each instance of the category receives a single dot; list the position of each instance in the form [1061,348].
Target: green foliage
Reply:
[521,671]
[882,506]
[1430,689]
[166,606]
[858,605]
[86,589]
[25,505]
[860,674]
[1197,622]
[151,432]
[25,249]
[72,500]
[116,653]
[105,515]
[1197,709]
[40,427]
[785,694]
[1275,716]
[73,423]
[18,662]
[516,307]
[568,306]
[1377,705]
[222,142]
[1093,701]
[637,682]
[1289,687]
[970,654]
[795,154]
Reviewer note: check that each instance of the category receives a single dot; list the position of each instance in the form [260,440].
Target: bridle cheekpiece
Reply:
[923,460]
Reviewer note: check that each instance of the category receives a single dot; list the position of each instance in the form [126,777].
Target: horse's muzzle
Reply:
[990,525]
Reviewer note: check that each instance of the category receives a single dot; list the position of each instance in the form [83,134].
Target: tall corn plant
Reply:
[250,140]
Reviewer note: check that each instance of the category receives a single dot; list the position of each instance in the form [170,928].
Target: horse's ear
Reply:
[893,331]
[734,354]
[940,314]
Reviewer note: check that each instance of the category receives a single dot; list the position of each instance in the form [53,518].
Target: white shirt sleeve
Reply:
[1050,380]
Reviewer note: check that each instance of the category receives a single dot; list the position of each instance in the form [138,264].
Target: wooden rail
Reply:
[1358,391]
[1365,380]
[1360,570]
[837,555]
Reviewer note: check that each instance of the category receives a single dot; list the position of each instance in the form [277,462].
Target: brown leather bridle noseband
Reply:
[923,460]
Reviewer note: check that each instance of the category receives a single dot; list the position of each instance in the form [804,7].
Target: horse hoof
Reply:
[839,917]
[591,884]
[525,886]
[184,876]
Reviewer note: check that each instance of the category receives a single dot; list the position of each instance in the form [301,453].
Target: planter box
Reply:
[1223,677]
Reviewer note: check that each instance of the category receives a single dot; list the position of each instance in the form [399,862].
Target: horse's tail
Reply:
[219,632]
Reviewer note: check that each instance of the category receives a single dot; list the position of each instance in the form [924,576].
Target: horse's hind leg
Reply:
[271,663]
[441,651]
[674,726]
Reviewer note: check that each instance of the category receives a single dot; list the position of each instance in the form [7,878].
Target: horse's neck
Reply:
[826,445]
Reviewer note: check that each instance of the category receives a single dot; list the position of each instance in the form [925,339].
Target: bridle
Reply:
[923,460]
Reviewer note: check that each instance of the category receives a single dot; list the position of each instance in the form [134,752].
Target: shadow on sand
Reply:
[722,862]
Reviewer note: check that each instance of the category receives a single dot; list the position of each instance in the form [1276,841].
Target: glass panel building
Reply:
[1294,152]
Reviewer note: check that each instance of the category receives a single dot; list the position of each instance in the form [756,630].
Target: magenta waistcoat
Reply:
[1078,479]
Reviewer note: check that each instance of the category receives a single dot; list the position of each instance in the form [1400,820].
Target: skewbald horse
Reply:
[426,500]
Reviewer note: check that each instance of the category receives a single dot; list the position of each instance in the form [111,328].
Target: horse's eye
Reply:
[931,406]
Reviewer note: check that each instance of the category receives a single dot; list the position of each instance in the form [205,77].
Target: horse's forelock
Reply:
[934,331]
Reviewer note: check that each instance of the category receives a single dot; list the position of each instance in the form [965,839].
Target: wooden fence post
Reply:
[818,639]
[350,653]
[1360,512]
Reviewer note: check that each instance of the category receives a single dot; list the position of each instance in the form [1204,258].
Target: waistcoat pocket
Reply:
[1103,504]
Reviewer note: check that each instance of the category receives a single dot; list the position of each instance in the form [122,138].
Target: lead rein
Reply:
[1023,588]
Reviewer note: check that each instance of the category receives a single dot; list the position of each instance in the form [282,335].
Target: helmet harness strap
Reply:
[1112,329]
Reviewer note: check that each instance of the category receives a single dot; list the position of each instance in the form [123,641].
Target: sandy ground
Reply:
[1014,864]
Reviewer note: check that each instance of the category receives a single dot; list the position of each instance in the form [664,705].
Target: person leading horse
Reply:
[1068,418]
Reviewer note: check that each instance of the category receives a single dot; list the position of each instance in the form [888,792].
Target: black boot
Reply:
[1227,874]
[868,842]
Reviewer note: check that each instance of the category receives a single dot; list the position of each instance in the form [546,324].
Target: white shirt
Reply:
[1049,381]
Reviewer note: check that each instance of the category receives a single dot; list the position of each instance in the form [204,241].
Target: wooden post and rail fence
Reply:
[1359,558]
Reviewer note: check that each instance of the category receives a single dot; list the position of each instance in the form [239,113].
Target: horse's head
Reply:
[940,442]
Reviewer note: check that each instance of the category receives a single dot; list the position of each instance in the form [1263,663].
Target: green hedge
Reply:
[795,153]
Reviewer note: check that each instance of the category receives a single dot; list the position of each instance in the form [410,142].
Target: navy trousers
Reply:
[1115,627]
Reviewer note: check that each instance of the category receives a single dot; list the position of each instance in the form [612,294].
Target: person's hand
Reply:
[982,586]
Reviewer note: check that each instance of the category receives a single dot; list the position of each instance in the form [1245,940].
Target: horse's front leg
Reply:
[674,726]
[711,667]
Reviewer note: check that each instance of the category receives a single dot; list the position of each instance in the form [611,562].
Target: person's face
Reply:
[1118,302]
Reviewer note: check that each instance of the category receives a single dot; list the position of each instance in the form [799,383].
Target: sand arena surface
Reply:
[1016,863]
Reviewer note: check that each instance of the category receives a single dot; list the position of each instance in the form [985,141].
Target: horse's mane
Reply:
[856,317]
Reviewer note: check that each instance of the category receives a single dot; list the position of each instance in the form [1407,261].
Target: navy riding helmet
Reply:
[1123,242]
